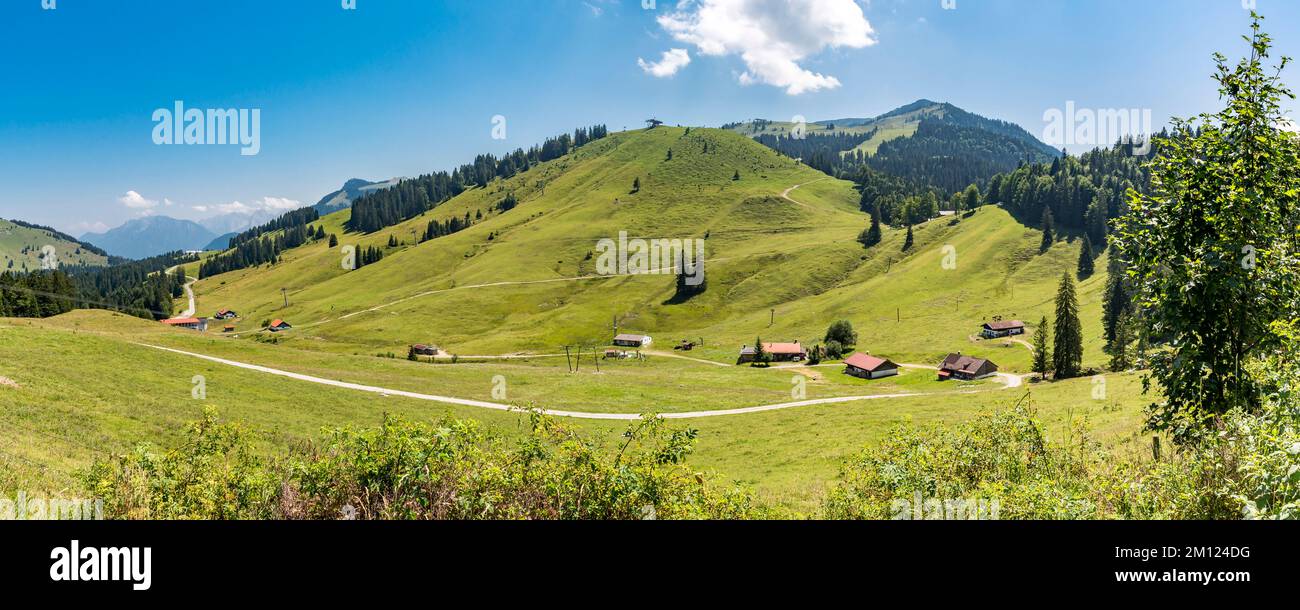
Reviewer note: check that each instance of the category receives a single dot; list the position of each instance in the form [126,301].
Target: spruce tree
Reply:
[1118,348]
[871,235]
[1067,349]
[1041,356]
[1049,231]
[1116,300]
[1085,258]
[907,243]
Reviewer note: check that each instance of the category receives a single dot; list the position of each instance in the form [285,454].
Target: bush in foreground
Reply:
[449,469]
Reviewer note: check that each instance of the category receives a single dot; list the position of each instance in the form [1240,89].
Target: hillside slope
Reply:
[22,245]
[782,267]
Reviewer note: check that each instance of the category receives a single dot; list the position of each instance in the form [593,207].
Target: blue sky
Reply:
[402,87]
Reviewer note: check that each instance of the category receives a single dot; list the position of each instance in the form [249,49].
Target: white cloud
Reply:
[136,201]
[85,227]
[668,65]
[771,36]
[265,204]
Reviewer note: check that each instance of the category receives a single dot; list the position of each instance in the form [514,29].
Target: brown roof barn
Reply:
[957,366]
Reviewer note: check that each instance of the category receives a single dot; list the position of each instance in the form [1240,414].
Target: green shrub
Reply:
[449,469]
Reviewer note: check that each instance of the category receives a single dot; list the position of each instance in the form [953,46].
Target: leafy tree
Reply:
[1049,231]
[842,331]
[1042,359]
[1212,250]
[970,198]
[834,349]
[1067,348]
[1085,259]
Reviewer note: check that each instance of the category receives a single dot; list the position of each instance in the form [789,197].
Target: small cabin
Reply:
[631,340]
[999,329]
[279,326]
[869,367]
[229,328]
[966,368]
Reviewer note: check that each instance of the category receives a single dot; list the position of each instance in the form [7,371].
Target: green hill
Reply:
[928,143]
[22,246]
[525,280]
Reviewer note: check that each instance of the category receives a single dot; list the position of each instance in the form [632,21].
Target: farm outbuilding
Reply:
[781,352]
[632,340]
[999,329]
[957,366]
[190,323]
[279,326]
[869,367]
[421,349]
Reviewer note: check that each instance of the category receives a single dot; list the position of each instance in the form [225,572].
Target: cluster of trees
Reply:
[1065,358]
[289,220]
[38,294]
[142,288]
[438,228]
[265,249]
[410,198]
[1081,194]
[821,151]
[948,156]
[369,256]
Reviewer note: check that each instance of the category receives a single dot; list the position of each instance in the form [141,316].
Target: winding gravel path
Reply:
[1011,381]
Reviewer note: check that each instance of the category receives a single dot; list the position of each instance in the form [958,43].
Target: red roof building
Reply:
[869,367]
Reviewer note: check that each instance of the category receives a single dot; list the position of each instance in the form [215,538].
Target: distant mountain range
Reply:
[150,236]
[154,235]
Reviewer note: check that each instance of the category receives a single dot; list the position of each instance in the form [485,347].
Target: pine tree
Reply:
[636,184]
[737,176]
[907,243]
[1085,259]
[1116,301]
[334,240]
[1041,356]
[871,235]
[1049,231]
[760,355]
[1067,349]
[1118,348]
